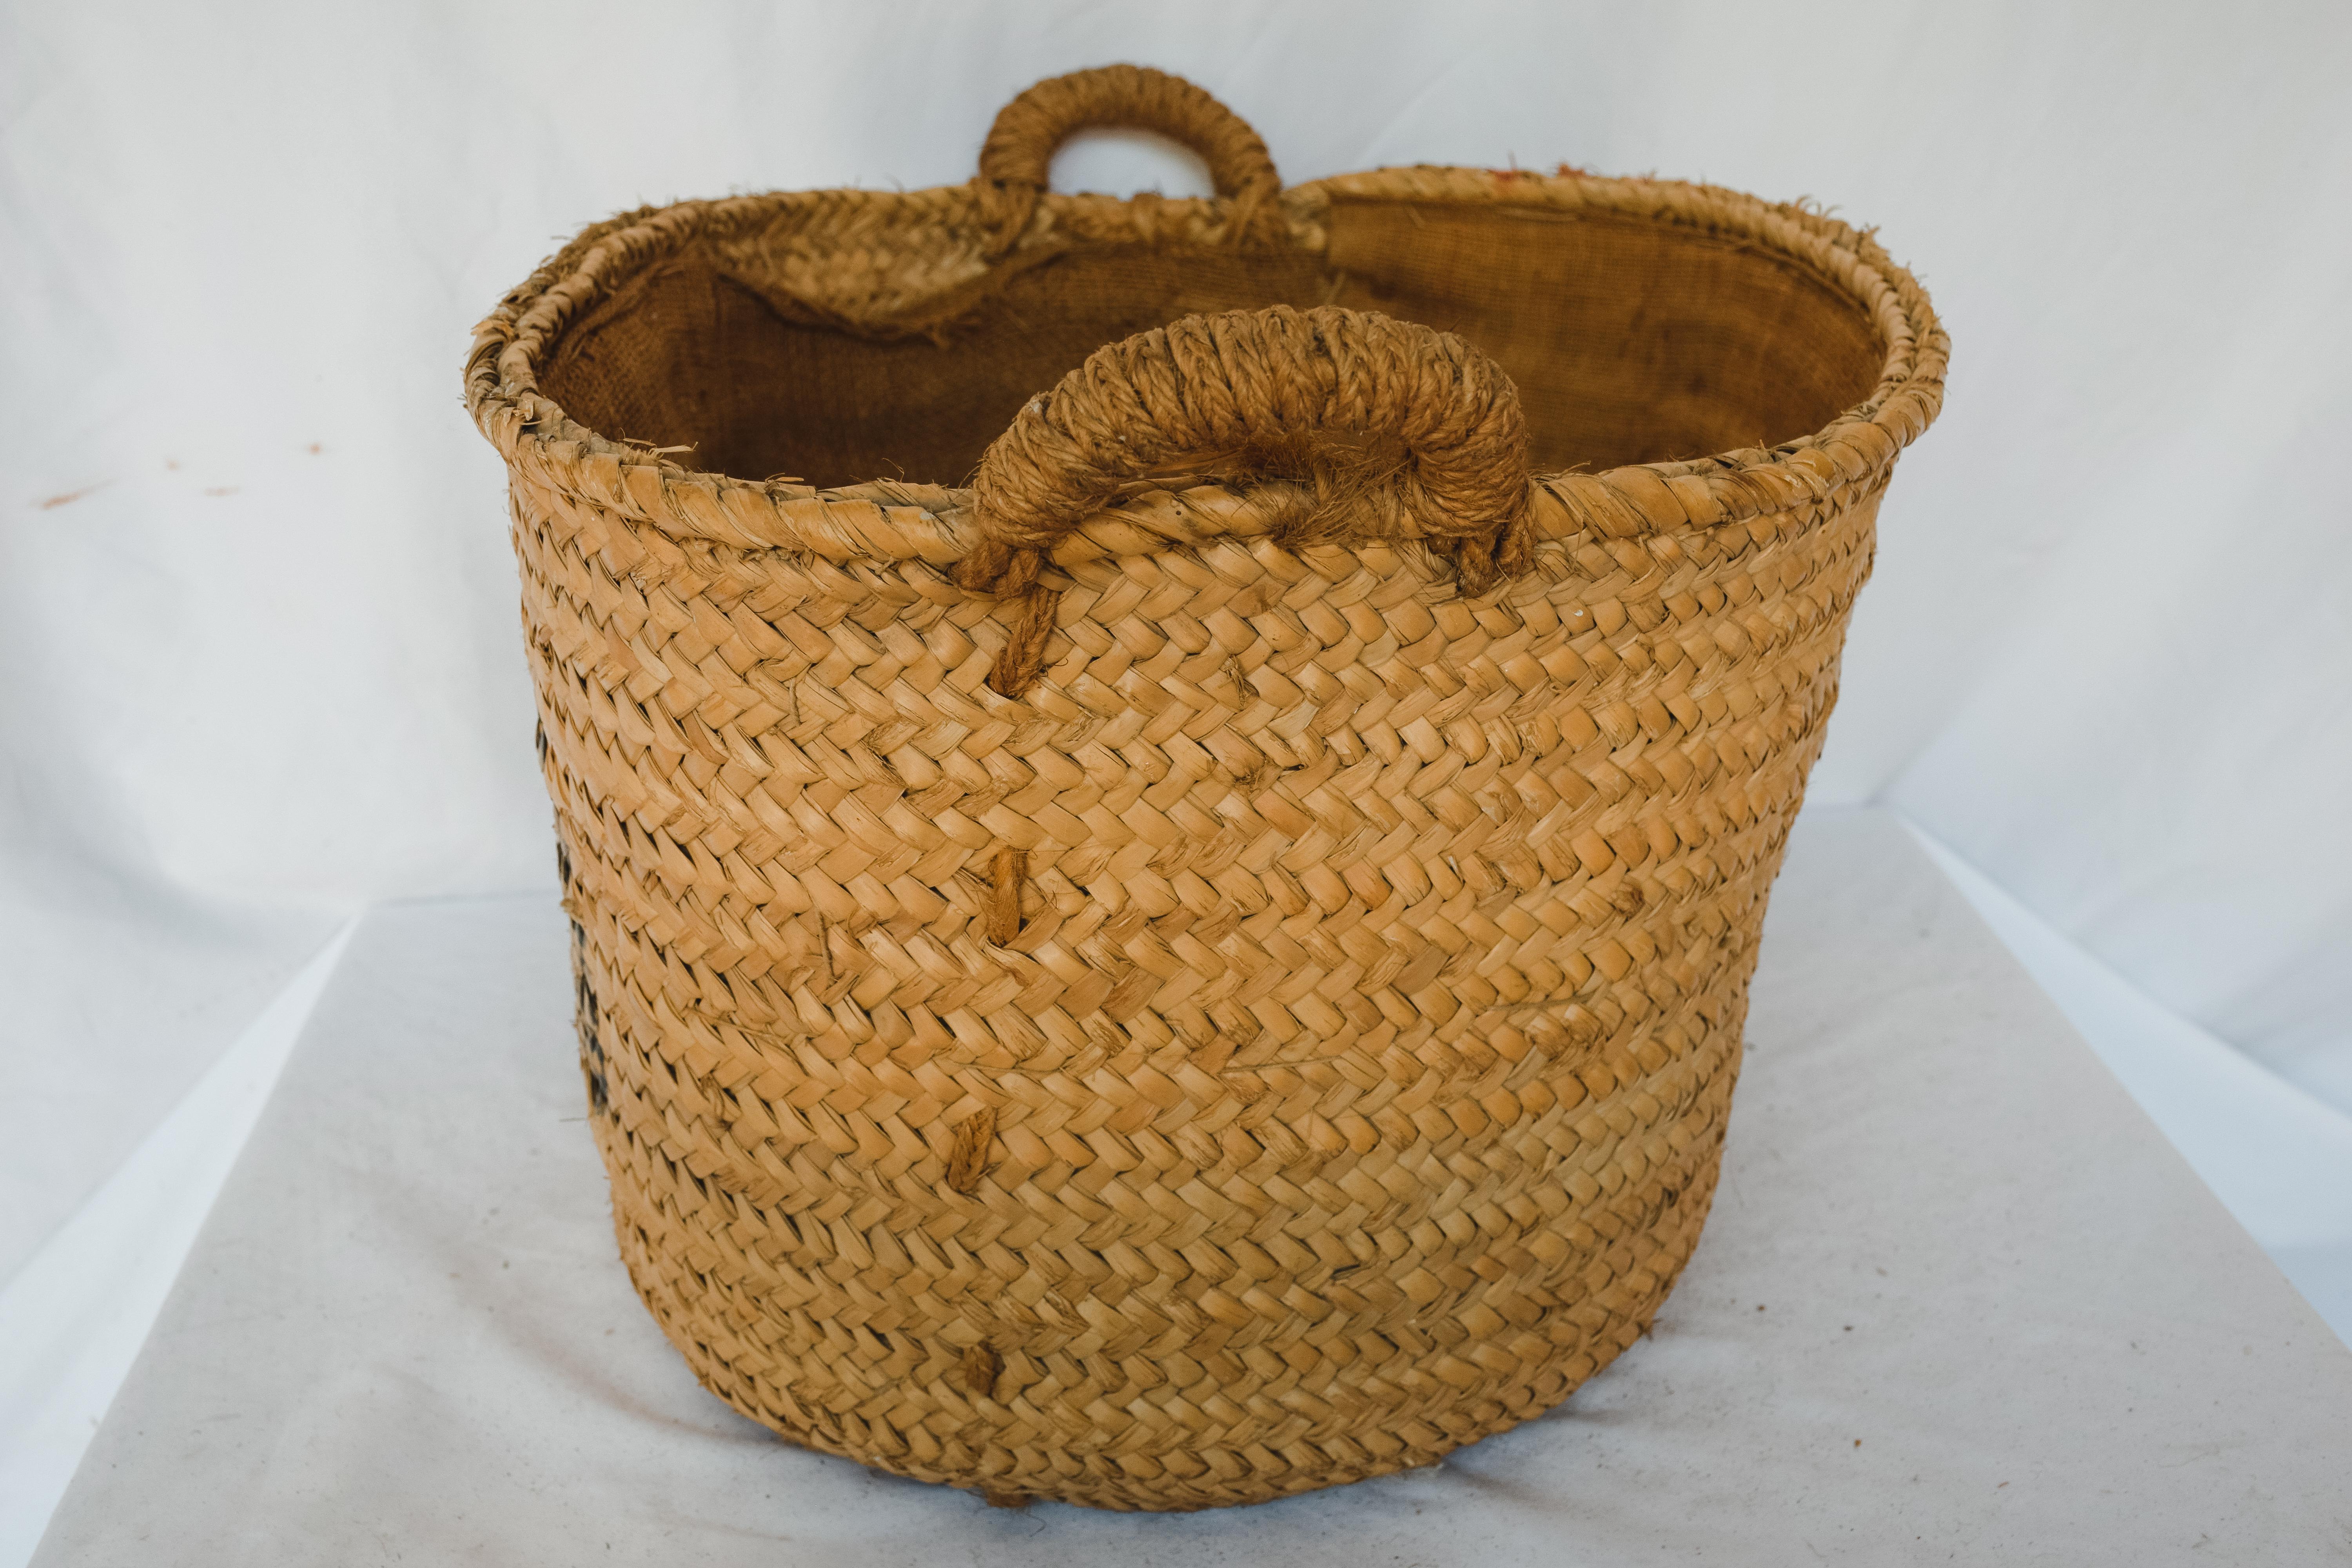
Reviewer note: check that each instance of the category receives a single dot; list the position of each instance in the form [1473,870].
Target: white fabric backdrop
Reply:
[257,608]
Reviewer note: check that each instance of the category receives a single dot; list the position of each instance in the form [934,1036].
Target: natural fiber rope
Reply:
[1290,1039]
[1239,381]
[1015,160]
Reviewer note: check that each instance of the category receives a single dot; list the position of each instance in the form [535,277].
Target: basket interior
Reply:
[1630,341]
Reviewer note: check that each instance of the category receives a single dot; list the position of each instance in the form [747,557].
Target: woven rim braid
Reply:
[1125,1005]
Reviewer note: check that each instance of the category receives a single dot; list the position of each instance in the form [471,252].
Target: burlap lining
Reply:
[1630,341]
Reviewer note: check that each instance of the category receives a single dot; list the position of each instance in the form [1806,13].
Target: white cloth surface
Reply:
[72,1321]
[1957,1300]
[2278,1159]
[254,592]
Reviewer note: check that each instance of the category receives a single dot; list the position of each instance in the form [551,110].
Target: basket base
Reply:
[1014,1446]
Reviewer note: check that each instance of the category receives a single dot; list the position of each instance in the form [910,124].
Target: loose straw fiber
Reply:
[1209,961]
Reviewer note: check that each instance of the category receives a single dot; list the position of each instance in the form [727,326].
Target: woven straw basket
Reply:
[1209,962]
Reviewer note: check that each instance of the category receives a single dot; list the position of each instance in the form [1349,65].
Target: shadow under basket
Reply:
[1166,803]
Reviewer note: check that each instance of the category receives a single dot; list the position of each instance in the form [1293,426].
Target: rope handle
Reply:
[1253,381]
[1015,160]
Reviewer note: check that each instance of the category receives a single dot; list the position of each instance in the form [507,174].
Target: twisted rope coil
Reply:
[1248,381]
[1015,160]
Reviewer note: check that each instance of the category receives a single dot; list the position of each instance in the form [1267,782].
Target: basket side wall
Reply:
[1359,1071]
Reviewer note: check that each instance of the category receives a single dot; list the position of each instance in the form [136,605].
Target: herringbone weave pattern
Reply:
[1236,986]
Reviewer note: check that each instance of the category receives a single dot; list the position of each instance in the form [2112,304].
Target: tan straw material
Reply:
[1209,964]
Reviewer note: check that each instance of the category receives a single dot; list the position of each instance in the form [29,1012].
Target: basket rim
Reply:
[886,523]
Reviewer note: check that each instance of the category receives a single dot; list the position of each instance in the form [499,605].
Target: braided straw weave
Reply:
[1211,962]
